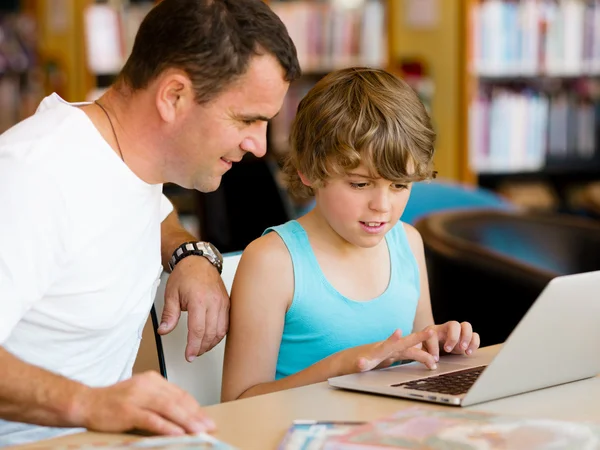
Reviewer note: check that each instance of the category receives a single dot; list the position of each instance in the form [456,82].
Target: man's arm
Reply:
[33,395]
[146,402]
[172,236]
[194,286]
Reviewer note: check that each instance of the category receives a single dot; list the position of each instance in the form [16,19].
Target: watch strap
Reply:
[184,250]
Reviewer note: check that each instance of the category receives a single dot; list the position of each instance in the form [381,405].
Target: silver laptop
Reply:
[557,341]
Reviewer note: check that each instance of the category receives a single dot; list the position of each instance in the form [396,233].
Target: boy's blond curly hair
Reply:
[359,115]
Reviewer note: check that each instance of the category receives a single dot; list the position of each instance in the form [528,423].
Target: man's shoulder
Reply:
[44,135]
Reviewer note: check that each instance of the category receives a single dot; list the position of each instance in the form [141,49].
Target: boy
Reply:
[341,289]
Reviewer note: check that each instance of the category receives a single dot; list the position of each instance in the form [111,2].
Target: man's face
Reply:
[214,135]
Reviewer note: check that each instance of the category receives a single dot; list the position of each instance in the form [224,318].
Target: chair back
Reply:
[487,267]
[202,377]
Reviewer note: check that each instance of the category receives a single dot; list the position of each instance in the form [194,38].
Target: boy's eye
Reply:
[400,186]
[359,185]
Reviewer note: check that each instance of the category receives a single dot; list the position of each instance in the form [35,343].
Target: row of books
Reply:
[535,37]
[519,131]
[329,36]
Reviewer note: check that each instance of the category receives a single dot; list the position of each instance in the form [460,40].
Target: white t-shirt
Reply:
[79,252]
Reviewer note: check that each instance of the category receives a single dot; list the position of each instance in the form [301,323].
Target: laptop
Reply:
[556,342]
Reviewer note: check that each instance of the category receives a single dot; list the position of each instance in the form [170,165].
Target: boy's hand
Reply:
[384,353]
[452,337]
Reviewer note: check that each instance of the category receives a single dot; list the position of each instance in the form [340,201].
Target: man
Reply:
[84,226]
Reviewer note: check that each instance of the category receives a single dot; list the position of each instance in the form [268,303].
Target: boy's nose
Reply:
[380,201]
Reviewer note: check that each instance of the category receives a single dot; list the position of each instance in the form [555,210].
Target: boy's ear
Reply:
[305,181]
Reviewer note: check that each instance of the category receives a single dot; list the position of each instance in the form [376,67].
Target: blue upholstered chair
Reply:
[438,195]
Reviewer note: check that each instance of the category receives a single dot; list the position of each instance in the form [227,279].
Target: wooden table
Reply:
[259,423]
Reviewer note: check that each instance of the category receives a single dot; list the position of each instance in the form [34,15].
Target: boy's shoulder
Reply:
[413,237]
[412,233]
[269,249]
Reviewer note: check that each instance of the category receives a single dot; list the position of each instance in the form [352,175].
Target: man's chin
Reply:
[207,186]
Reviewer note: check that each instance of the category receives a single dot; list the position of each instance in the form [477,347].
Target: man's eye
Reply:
[248,122]
[359,185]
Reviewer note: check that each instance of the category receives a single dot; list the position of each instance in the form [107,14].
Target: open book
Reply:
[461,429]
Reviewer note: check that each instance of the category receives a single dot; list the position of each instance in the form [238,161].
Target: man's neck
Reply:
[135,123]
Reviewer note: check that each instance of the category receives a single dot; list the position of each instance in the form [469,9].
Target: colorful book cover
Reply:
[312,434]
[460,429]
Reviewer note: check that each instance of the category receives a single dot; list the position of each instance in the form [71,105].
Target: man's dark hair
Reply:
[211,40]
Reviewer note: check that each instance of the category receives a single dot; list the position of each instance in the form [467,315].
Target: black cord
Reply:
[158,339]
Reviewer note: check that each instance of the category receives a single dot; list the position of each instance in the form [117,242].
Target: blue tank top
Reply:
[321,321]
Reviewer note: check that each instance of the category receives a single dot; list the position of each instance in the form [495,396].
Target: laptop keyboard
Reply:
[453,383]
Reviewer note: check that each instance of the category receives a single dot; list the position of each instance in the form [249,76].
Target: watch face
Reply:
[216,252]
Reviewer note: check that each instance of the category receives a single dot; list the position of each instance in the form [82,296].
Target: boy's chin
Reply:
[369,241]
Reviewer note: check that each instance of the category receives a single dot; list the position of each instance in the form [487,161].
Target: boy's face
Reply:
[362,209]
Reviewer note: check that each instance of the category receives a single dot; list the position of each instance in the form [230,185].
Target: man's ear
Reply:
[174,95]
[305,181]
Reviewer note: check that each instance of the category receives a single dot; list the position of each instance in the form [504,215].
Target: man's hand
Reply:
[452,337]
[144,402]
[195,286]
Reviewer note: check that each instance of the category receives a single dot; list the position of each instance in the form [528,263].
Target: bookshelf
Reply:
[426,50]
[60,46]
[21,78]
[392,40]
[328,35]
[531,99]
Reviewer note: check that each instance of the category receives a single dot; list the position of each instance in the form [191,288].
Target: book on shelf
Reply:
[329,36]
[462,429]
[110,31]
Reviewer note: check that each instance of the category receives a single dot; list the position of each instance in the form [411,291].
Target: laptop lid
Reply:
[555,342]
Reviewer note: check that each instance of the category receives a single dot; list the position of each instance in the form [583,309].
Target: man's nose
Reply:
[256,143]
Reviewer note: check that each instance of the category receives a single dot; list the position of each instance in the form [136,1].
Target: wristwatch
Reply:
[200,248]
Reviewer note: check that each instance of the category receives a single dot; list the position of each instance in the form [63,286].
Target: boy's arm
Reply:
[261,294]
[457,338]
[262,290]
[424,314]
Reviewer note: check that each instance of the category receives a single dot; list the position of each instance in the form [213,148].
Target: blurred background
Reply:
[512,87]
